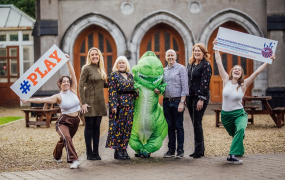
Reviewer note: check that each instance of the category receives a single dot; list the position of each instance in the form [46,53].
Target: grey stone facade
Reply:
[194,20]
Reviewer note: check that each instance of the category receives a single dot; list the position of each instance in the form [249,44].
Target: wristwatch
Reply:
[182,101]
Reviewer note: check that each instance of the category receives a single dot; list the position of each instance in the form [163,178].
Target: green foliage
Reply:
[27,6]
[5,120]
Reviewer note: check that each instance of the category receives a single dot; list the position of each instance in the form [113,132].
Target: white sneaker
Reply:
[58,161]
[75,164]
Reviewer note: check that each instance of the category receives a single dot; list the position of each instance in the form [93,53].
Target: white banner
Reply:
[245,45]
[41,71]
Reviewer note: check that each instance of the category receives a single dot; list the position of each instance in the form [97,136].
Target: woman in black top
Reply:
[199,76]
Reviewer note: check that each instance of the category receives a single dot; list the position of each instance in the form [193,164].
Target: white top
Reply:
[232,98]
[69,102]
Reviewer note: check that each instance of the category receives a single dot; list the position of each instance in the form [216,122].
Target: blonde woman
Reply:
[91,83]
[121,108]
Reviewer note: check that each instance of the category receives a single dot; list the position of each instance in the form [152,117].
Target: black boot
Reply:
[121,155]
[90,156]
[96,154]
[126,154]
[116,154]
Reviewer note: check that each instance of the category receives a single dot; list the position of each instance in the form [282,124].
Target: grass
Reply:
[5,120]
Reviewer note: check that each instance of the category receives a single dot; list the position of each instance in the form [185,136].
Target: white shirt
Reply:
[232,97]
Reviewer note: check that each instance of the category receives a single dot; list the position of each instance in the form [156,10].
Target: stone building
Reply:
[131,27]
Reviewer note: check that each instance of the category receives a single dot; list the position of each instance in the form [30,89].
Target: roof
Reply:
[12,17]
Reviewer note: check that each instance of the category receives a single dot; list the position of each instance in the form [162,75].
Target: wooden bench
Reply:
[43,115]
[249,110]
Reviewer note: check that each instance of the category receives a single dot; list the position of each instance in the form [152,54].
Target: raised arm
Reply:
[224,75]
[73,87]
[250,79]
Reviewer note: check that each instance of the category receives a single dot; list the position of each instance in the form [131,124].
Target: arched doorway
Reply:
[159,39]
[94,36]
[229,60]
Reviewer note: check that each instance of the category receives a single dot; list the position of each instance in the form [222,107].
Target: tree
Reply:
[27,6]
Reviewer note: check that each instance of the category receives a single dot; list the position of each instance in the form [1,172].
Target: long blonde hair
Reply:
[241,79]
[203,49]
[101,69]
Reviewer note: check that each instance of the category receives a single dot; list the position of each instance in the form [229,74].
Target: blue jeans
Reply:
[174,120]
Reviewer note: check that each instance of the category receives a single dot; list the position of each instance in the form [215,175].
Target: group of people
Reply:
[186,87]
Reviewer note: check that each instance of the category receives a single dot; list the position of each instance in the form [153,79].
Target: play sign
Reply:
[39,73]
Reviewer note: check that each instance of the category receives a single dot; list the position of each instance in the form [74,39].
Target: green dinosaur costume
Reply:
[149,124]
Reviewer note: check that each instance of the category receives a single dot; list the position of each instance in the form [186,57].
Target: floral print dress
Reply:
[121,96]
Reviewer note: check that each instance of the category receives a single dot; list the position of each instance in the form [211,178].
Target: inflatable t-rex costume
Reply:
[149,124]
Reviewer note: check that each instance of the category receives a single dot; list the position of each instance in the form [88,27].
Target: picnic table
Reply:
[43,115]
[277,114]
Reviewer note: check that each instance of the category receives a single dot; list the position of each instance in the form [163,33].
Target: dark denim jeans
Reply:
[174,120]
[196,117]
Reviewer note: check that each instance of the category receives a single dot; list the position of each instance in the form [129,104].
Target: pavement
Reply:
[266,166]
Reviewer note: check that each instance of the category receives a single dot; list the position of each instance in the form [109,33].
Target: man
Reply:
[175,75]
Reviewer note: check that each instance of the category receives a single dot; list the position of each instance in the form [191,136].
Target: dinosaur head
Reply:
[149,71]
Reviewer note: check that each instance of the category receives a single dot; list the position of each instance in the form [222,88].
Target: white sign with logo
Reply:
[245,45]
[43,69]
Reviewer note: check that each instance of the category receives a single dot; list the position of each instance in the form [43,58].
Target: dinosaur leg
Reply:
[135,143]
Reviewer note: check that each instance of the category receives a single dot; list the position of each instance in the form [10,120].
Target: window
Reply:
[28,57]
[26,37]
[3,37]
[13,37]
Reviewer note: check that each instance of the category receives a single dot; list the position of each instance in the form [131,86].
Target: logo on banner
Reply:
[32,79]
[267,50]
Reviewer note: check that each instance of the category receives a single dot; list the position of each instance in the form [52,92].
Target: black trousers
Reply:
[92,132]
[196,117]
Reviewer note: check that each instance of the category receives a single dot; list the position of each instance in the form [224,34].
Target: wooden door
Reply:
[98,37]
[228,60]
[161,38]
[9,66]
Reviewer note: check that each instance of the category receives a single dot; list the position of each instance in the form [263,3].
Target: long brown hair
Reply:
[203,49]
[241,79]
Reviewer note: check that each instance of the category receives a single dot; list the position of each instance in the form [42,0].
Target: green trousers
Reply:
[235,123]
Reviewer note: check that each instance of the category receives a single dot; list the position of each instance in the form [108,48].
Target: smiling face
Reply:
[170,57]
[64,83]
[94,57]
[149,70]
[121,66]
[198,53]
[236,72]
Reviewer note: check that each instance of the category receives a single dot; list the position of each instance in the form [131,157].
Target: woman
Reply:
[199,77]
[233,116]
[68,121]
[91,84]
[121,109]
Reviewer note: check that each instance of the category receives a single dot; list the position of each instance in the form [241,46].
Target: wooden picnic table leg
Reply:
[27,119]
[217,118]
[279,119]
[48,119]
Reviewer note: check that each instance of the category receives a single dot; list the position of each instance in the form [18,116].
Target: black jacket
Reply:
[199,77]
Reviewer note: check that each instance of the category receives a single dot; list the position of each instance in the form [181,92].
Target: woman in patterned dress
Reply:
[199,77]
[121,109]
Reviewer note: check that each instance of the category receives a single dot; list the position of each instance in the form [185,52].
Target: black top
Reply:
[199,77]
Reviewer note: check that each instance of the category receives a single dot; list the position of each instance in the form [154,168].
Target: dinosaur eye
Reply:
[147,66]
